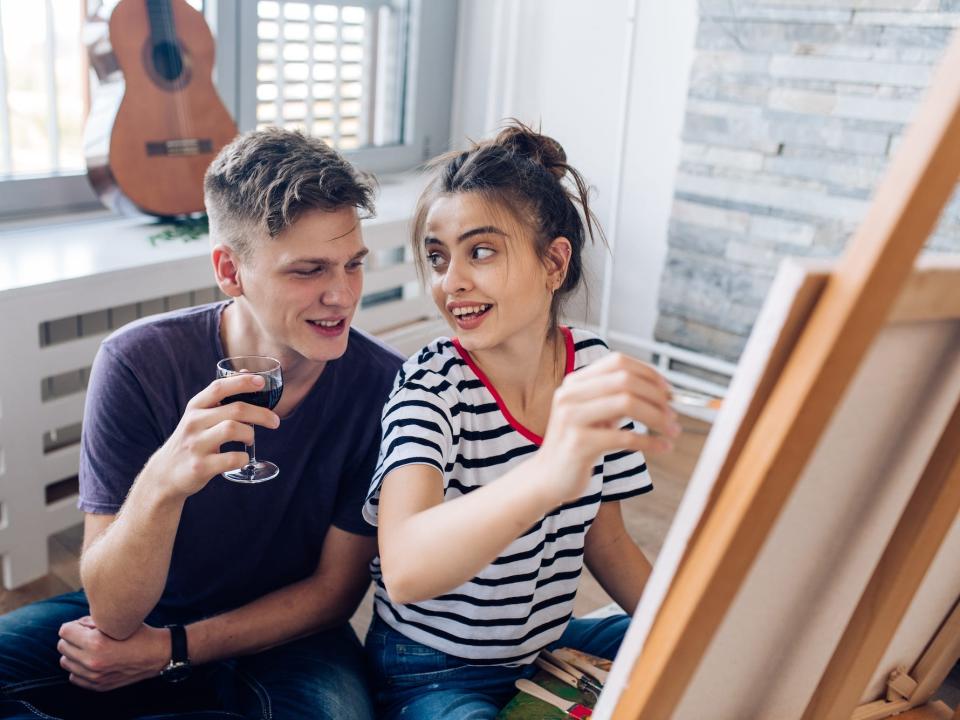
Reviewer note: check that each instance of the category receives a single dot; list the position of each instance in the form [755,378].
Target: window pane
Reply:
[44,86]
[44,104]
[345,62]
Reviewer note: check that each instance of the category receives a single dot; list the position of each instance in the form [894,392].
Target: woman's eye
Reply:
[435,260]
[355,265]
[482,253]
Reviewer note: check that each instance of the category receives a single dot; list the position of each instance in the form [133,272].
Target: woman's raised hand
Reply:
[587,414]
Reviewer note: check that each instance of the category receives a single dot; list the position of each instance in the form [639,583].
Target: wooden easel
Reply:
[834,322]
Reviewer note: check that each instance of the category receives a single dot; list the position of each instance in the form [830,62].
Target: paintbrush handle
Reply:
[591,670]
[583,681]
[587,668]
[573,709]
[558,672]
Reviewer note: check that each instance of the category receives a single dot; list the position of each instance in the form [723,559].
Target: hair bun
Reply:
[529,143]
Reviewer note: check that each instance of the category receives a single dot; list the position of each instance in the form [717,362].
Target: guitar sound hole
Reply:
[167,60]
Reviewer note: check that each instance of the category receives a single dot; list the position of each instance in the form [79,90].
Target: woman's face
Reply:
[485,276]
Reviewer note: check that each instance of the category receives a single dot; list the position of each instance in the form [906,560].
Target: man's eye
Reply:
[482,253]
[355,265]
[308,273]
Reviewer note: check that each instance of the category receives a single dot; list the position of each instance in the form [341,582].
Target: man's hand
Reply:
[98,662]
[191,456]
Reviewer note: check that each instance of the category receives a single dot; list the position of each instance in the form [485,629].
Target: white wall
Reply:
[563,64]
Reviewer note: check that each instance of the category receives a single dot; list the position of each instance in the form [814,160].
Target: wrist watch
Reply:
[179,666]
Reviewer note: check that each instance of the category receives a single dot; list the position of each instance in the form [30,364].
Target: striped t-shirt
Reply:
[444,412]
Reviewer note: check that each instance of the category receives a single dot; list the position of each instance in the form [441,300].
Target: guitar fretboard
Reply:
[160,15]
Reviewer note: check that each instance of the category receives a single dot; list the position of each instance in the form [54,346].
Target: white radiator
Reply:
[63,289]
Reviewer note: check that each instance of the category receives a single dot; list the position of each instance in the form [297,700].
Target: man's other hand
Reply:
[98,662]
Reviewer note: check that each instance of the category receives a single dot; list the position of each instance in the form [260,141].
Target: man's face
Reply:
[303,286]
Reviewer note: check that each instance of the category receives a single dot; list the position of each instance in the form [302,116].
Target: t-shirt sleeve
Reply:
[418,429]
[625,474]
[119,434]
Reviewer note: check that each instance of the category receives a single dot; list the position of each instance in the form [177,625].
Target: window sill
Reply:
[43,251]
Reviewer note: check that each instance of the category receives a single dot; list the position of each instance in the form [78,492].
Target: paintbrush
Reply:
[688,398]
[582,664]
[569,673]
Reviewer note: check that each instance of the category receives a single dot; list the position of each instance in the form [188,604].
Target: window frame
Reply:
[427,105]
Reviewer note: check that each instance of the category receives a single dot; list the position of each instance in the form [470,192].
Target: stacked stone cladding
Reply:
[794,111]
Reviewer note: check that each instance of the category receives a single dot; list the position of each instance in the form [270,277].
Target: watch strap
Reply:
[178,645]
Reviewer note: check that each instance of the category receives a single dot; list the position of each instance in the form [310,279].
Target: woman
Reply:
[505,453]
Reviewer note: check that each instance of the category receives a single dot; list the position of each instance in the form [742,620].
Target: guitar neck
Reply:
[160,16]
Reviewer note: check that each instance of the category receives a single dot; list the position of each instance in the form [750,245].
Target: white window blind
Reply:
[335,70]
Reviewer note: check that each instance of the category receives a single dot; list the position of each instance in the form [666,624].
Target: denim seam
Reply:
[223,713]
[35,711]
[32,684]
[266,710]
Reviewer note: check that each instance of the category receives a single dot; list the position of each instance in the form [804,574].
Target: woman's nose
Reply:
[456,279]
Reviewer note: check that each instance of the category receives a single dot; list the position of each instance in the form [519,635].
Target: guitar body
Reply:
[156,124]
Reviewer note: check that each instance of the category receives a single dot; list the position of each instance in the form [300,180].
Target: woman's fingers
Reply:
[606,441]
[609,409]
[614,382]
[618,361]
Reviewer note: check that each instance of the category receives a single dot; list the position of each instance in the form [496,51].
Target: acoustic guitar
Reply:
[156,120]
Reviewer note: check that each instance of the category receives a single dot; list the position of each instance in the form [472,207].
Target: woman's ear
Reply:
[226,266]
[557,260]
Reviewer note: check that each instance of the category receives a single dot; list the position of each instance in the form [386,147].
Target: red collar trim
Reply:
[514,423]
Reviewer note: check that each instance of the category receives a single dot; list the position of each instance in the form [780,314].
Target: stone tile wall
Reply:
[794,110]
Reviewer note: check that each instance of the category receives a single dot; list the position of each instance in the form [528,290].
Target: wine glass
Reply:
[255,471]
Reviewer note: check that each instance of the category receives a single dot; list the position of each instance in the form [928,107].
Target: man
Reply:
[258,581]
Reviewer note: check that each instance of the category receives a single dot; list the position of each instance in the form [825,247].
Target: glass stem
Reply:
[252,451]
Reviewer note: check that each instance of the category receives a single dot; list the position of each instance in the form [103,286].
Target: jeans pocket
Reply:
[405,680]
[404,662]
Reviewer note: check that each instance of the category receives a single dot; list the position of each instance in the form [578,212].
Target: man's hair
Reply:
[265,179]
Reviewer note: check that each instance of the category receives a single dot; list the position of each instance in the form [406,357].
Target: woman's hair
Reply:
[522,172]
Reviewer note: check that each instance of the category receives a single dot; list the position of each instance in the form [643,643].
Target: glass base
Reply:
[251,473]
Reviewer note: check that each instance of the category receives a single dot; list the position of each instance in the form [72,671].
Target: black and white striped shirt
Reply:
[443,412]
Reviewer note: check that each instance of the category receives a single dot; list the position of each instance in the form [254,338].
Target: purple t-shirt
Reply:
[235,542]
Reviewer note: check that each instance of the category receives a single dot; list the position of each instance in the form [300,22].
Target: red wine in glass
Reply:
[268,397]
[255,471]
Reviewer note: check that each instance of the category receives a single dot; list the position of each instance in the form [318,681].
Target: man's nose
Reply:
[339,291]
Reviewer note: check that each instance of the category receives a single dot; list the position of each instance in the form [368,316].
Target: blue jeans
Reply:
[320,676]
[416,682]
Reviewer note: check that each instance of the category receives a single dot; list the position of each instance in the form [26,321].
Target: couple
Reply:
[482,474]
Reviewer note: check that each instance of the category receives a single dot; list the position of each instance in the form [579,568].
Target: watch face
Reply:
[175,671]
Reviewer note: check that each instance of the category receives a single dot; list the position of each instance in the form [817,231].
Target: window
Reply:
[336,72]
[344,70]
[44,96]
[372,77]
